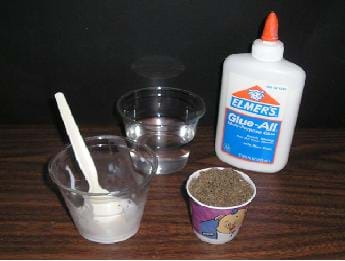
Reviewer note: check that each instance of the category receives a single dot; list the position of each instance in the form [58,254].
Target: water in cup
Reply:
[171,147]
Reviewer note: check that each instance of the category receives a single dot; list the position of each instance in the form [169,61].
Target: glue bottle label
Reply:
[253,117]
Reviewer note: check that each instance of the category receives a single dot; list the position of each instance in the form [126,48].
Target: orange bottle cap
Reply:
[270,32]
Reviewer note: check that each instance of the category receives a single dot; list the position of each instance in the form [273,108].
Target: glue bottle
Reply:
[260,97]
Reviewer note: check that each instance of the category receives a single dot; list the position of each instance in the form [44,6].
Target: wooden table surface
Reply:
[297,213]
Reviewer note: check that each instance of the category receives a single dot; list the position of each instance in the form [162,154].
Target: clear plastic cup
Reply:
[217,225]
[165,112]
[125,168]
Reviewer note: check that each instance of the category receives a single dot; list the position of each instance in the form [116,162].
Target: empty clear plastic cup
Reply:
[165,112]
[125,168]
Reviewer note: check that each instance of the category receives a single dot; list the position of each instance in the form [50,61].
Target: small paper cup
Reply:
[217,225]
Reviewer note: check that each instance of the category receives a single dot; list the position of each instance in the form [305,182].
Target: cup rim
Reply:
[245,177]
[128,93]
[111,193]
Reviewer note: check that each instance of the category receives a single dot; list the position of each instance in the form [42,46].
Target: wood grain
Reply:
[297,213]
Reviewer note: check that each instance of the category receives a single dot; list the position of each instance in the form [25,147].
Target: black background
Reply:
[94,51]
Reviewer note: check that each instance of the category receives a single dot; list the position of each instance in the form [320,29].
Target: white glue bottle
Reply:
[260,96]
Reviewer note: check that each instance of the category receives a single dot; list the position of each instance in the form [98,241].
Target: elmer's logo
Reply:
[255,100]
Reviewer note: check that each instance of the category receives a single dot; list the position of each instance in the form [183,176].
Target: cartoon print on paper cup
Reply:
[213,224]
[222,227]
[229,223]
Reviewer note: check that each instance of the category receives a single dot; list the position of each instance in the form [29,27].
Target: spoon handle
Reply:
[81,152]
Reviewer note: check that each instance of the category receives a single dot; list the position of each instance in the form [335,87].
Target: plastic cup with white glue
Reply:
[104,181]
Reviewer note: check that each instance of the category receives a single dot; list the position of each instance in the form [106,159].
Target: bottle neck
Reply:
[268,51]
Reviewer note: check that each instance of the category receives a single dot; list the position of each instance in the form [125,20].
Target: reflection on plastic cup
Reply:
[170,115]
[125,168]
[217,225]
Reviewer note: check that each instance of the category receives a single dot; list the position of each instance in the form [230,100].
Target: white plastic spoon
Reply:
[80,150]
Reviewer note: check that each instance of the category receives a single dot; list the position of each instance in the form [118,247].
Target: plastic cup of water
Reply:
[169,115]
[125,168]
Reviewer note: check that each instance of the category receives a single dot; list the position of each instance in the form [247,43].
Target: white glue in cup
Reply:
[217,225]
[125,169]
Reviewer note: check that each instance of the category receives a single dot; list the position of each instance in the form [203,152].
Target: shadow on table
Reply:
[185,196]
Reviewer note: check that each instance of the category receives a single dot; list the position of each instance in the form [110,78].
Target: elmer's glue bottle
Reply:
[260,97]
